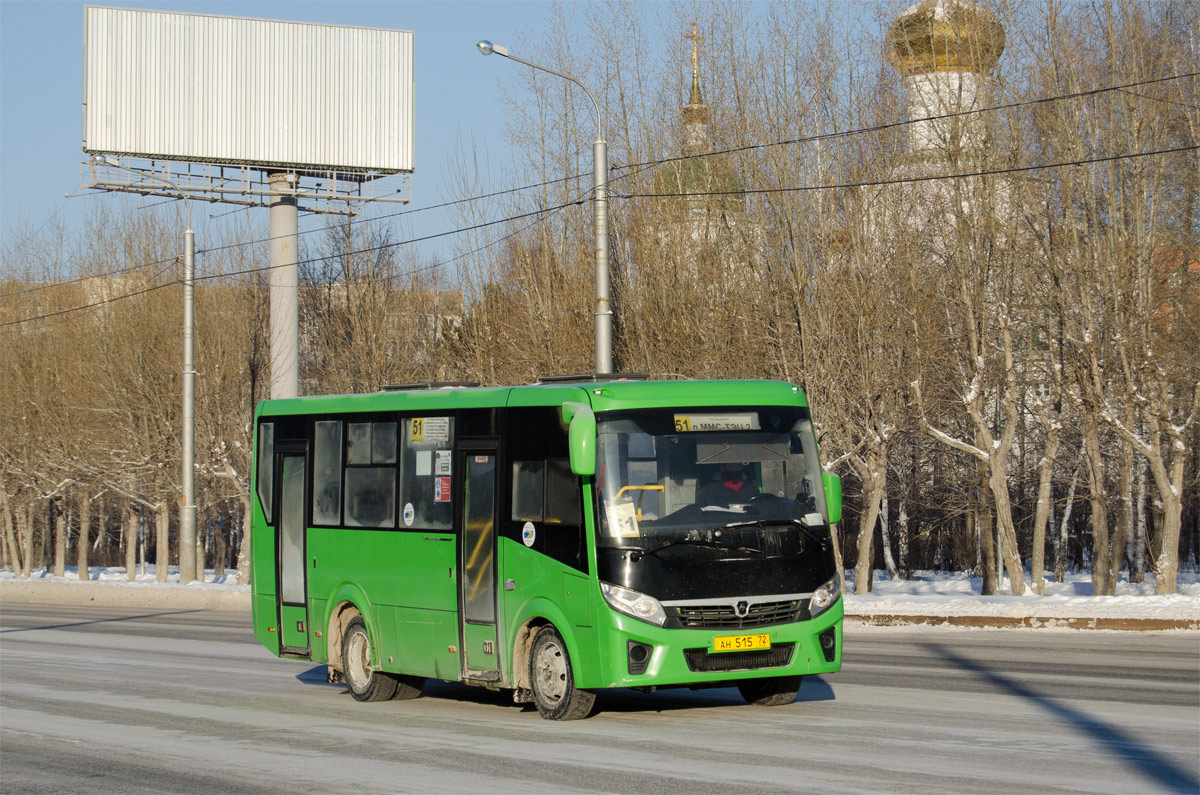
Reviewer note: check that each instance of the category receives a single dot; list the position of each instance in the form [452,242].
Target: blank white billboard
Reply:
[249,92]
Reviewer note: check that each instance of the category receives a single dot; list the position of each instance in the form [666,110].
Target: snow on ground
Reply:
[957,594]
[143,578]
[928,593]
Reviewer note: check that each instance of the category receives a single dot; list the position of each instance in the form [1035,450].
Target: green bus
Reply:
[550,539]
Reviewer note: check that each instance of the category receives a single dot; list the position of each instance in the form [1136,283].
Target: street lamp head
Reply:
[485,47]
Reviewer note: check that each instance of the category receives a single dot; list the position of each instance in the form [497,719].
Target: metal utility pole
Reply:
[285,288]
[603,312]
[187,509]
[187,442]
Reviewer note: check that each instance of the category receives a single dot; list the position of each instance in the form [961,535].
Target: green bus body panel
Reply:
[405,582]
[293,620]
[546,396]
[386,574]
[603,396]
[318,621]
[404,568]
[266,627]
[421,641]
[478,659]
[401,400]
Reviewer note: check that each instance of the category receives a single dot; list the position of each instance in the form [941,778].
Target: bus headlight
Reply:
[823,597]
[635,604]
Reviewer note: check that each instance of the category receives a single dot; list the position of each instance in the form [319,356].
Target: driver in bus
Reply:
[729,484]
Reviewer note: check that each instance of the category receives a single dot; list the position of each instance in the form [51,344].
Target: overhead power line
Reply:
[903,180]
[642,166]
[265,268]
[536,214]
[650,164]
[399,213]
[101,275]
[904,122]
[96,304]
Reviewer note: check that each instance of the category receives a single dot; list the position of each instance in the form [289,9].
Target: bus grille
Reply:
[723,616]
[704,661]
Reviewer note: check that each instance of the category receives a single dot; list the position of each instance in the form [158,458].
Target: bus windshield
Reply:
[737,480]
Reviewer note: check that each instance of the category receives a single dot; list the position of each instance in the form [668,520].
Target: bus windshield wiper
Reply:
[690,542]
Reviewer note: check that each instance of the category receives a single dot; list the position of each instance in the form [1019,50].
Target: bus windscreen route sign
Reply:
[690,423]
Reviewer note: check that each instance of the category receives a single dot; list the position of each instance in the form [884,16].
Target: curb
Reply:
[95,594]
[183,597]
[1027,622]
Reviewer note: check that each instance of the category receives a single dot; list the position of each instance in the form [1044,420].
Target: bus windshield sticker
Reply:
[690,423]
[409,514]
[424,463]
[622,519]
[441,489]
[441,462]
[528,534]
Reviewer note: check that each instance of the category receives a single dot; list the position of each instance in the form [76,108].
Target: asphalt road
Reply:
[103,700]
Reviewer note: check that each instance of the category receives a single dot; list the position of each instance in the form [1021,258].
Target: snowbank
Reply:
[948,594]
[109,587]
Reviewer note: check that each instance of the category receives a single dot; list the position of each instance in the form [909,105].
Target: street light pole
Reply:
[187,507]
[603,309]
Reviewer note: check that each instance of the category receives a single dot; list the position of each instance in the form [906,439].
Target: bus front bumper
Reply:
[637,654]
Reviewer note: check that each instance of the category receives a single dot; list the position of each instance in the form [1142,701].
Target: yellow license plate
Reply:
[741,642]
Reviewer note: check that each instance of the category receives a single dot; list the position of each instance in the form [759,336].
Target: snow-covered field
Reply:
[926,594]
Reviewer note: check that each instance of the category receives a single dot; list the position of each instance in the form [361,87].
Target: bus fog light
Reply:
[823,597]
[635,604]
[639,656]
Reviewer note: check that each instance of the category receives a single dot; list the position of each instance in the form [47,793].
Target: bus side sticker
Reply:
[409,514]
[528,534]
[429,429]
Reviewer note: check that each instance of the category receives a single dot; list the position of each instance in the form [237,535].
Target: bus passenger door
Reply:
[293,590]
[477,473]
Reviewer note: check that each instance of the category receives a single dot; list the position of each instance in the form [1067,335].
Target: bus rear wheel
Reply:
[363,681]
[771,692]
[552,680]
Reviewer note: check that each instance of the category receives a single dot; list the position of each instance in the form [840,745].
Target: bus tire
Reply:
[362,680]
[770,692]
[407,687]
[552,679]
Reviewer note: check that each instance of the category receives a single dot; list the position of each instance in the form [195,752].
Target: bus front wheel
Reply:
[363,681]
[772,692]
[552,680]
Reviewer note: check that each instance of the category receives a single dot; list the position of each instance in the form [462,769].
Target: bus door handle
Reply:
[510,585]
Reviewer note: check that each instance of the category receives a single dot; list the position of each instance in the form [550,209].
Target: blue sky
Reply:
[41,73]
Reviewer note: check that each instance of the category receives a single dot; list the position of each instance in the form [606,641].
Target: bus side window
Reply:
[266,467]
[528,490]
[562,494]
[543,490]
[426,472]
[327,472]
[370,483]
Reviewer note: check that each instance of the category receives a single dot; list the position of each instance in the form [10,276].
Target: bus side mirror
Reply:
[833,496]
[581,438]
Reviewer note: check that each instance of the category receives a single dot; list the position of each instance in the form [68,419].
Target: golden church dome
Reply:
[945,36]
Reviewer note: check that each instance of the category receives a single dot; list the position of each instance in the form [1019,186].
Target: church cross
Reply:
[696,39]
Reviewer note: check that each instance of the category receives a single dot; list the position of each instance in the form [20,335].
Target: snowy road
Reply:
[106,700]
